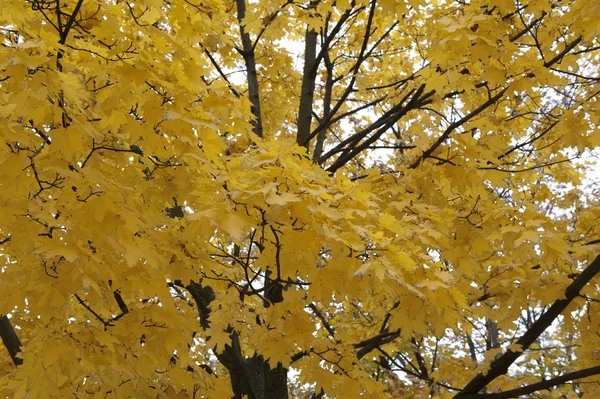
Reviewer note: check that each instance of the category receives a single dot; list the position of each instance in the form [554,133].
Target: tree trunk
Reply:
[252,377]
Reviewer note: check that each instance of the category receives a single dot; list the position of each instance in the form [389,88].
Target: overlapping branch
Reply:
[500,365]
[538,386]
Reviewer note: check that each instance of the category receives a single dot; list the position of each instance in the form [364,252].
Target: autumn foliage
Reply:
[303,199]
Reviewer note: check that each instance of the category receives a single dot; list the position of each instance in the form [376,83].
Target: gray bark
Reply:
[252,376]
[308,88]
[318,151]
[250,61]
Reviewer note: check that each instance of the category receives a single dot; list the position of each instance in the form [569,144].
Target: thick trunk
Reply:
[251,377]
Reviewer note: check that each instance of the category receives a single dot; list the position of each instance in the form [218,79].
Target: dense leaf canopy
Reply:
[307,199]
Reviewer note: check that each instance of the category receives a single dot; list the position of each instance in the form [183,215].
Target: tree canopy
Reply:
[303,199]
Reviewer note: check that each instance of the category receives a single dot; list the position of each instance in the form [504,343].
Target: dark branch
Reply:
[538,386]
[133,149]
[321,317]
[308,86]
[369,344]
[250,61]
[92,311]
[561,55]
[10,339]
[220,71]
[500,366]
[65,32]
[455,125]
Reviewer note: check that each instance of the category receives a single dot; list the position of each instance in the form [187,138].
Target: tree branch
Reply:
[321,317]
[500,366]
[250,61]
[65,32]
[417,99]
[455,125]
[10,339]
[308,85]
[369,344]
[538,386]
[220,71]
[92,311]
[561,55]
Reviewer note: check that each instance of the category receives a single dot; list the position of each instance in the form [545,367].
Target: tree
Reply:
[299,199]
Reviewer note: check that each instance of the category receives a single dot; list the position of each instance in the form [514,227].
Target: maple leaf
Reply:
[273,199]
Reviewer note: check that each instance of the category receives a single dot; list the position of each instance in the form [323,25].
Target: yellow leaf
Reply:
[281,199]
[235,225]
[532,236]
[364,269]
